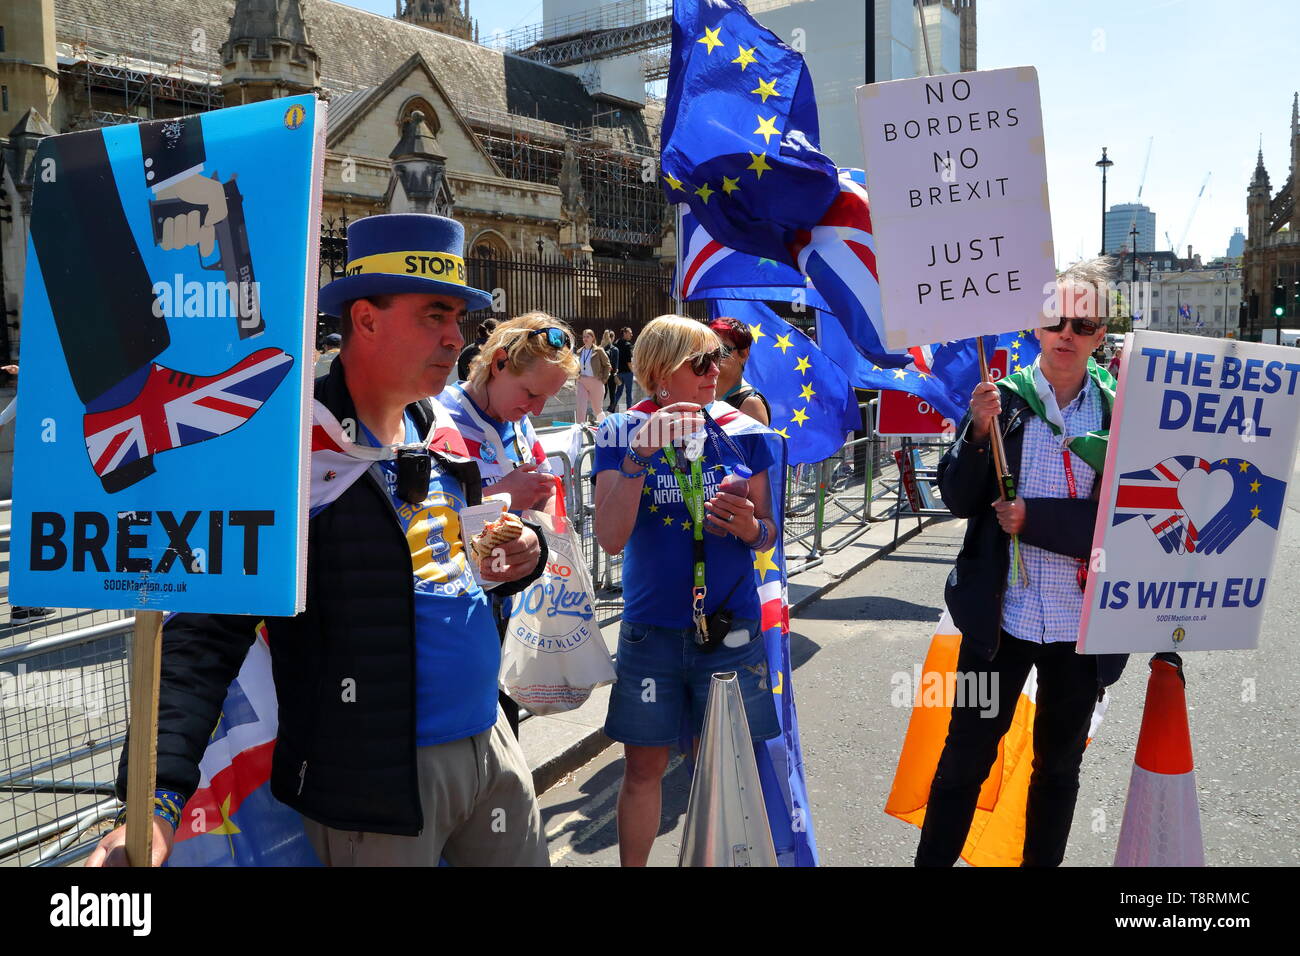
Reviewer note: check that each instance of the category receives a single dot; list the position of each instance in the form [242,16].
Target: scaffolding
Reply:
[605,31]
[623,208]
[126,78]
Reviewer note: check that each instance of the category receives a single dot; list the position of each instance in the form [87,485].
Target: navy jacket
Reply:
[351,764]
[978,579]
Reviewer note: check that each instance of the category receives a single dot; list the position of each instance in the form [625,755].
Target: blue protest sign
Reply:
[1201,449]
[160,460]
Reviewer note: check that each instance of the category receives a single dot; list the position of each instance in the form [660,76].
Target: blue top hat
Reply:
[407,252]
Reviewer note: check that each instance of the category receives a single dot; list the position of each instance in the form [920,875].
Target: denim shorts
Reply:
[663,684]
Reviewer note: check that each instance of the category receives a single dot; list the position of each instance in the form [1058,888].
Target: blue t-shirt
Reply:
[658,562]
[457,652]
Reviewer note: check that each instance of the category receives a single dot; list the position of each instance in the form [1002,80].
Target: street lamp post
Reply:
[1132,292]
[1224,333]
[1103,164]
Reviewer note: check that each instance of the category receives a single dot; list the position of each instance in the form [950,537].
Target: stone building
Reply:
[421,117]
[1272,251]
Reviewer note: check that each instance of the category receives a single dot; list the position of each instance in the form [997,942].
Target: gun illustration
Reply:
[234,257]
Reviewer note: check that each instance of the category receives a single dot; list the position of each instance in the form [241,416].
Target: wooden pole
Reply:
[1006,484]
[146,654]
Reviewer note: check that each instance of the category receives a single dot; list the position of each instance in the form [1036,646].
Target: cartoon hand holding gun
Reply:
[197,210]
[199,204]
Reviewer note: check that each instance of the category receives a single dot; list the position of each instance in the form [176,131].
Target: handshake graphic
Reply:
[1173,494]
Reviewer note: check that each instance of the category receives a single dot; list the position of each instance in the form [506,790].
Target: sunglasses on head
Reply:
[1084,327]
[555,338]
[700,364]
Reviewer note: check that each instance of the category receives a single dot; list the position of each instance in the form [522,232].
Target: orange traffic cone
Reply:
[1162,821]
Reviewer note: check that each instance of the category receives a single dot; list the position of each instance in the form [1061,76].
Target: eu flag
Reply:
[740,137]
[813,405]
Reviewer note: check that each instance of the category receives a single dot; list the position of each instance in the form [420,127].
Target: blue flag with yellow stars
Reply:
[740,137]
[813,405]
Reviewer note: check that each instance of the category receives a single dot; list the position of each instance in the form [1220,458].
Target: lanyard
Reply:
[1069,474]
[693,497]
[1081,572]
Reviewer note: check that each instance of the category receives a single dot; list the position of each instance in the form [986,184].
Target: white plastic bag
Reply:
[554,655]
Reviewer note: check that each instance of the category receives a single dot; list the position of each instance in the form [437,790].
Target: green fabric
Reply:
[1090,447]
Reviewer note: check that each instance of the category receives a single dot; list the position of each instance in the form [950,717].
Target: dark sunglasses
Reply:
[1084,327]
[700,364]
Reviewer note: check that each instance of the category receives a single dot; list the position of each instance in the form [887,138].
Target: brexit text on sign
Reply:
[1202,443]
[957,177]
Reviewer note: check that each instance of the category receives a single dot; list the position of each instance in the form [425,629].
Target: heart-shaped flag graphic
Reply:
[1201,496]
[1194,506]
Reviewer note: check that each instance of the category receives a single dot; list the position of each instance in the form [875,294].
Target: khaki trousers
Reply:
[479,810]
[591,392]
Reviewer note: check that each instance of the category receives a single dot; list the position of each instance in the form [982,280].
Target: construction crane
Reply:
[1141,183]
[1191,215]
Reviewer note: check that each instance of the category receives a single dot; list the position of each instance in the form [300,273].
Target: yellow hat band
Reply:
[442,266]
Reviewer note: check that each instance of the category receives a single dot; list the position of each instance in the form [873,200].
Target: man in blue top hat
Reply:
[391,744]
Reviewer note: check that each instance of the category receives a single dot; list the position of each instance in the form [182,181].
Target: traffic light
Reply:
[1279,301]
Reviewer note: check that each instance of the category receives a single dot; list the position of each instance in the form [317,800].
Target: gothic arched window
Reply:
[419,103]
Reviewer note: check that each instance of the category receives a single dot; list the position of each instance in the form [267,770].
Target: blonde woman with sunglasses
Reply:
[658,468]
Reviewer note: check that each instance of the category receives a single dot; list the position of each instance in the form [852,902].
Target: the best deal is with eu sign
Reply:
[1202,444]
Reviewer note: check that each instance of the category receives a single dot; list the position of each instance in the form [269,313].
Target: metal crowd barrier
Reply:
[64,677]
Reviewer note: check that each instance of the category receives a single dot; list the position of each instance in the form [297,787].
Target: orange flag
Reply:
[997,832]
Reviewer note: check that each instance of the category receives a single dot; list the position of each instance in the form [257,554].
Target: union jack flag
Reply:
[174,409]
[711,270]
[838,255]
[1153,494]
[232,819]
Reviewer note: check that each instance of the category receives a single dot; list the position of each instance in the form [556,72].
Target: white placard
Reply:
[1202,445]
[957,179]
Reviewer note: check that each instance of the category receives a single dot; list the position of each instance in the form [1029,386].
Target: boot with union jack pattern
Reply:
[157,409]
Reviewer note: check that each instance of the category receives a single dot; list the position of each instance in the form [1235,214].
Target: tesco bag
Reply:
[554,655]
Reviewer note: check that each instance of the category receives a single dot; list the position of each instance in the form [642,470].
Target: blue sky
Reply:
[1203,77]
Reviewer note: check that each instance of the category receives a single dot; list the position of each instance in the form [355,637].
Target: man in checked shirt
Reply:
[1020,612]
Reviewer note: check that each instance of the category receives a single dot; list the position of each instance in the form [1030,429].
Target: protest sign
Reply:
[1201,450]
[957,179]
[160,455]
